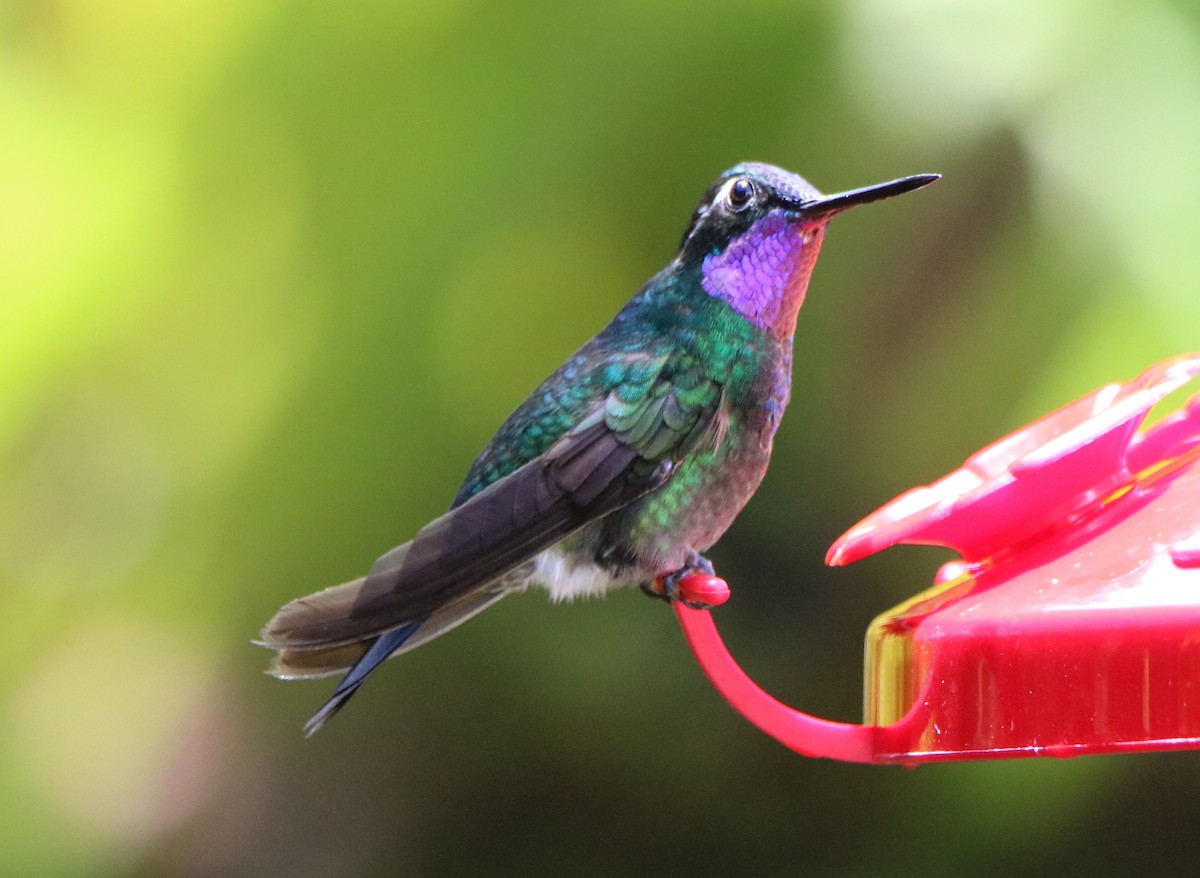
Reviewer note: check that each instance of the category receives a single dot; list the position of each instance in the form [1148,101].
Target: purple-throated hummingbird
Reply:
[623,466]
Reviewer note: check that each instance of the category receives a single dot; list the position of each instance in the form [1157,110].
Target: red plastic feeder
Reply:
[1070,626]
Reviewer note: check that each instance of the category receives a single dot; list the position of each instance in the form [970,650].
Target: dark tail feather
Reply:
[379,652]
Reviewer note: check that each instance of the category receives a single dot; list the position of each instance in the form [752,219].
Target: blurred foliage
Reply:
[270,274]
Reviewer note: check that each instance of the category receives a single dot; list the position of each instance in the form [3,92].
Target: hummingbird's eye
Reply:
[740,193]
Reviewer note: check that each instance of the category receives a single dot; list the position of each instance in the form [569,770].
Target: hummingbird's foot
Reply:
[695,586]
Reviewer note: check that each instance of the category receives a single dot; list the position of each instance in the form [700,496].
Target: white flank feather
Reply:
[566,581]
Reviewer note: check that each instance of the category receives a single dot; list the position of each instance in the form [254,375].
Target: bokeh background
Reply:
[270,274]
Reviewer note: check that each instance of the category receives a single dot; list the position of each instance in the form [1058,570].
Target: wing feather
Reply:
[629,444]
[584,478]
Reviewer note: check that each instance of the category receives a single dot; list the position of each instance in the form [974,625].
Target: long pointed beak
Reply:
[827,205]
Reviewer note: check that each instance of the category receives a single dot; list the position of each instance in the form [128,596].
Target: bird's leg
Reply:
[677,586]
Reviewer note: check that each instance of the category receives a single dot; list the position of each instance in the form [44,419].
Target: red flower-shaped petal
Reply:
[1038,478]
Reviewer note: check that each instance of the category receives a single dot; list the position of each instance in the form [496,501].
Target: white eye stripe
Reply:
[723,195]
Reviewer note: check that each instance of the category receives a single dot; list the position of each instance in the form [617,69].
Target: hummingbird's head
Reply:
[756,235]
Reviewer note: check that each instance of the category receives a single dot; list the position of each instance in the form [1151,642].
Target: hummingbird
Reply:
[626,464]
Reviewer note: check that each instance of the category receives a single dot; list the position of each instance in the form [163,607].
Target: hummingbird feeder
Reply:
[1071,624]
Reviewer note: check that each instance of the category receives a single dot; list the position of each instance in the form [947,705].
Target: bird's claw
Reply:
[695,586]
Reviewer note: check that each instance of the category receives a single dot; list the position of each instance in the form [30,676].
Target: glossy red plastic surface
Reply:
[801,732]
[1072,624]
[701,589]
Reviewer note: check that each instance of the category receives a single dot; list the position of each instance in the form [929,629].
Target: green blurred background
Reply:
[271,273]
